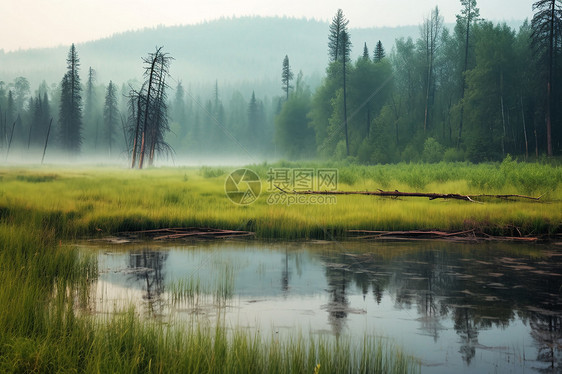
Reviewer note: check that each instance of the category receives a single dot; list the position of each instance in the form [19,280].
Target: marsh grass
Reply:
[103,201]
[41,330]
[45,281]
[193,291]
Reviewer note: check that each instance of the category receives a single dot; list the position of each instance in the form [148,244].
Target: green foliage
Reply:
[453,155]
[293,135]
[410,153]
[210,172]
[432,151]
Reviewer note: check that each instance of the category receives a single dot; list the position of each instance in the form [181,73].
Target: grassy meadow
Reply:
[45,279]
[77,202]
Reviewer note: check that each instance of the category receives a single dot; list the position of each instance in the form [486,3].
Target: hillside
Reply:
[235,50]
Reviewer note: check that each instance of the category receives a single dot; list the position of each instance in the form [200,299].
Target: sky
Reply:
[46,23]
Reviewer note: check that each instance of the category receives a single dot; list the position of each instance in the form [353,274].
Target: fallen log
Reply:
[466,235]
[396,193]
[185,233]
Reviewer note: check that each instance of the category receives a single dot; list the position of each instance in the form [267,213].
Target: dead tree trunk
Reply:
[396,193]
[46,141]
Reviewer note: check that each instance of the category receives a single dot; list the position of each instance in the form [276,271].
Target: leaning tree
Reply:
[148,110]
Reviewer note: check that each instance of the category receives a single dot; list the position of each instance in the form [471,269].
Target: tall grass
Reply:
[99,201]
[45,292]
[192,290]
[44,283]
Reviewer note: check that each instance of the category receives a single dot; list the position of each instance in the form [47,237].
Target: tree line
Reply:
[475,92]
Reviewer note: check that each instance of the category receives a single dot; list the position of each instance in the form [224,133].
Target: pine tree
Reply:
[22,89]
[90,122]
[365,51]
[286,76]
[179,105]
[10,115]
[344,55]
[255,123]
[547,29]
[431,31]
[253,116]
[379,52]
[70,111]
[337,27]
[110,115]
[469,15]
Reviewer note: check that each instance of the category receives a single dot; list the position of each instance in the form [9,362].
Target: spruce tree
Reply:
[110,115]
[286,76]
[365,51]
[344,55]
[70,111]
[469,15]
[337,27]
[547,25]
[379,52]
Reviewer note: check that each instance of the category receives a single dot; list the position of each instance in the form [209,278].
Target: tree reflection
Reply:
[477,289]
[468,332]
[338,305]
[285,274]
[146,266]
[547,334]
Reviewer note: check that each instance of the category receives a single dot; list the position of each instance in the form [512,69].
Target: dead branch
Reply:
[466,235]
[185,233]
[396,193]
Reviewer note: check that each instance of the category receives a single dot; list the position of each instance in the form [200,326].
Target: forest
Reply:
[472,91]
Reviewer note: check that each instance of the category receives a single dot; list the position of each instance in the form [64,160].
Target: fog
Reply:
[225,101]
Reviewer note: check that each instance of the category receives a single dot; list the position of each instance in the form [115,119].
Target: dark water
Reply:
[459,308]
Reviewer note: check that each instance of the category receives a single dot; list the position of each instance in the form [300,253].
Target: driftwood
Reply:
[185,233]
[465,235]
[396,193]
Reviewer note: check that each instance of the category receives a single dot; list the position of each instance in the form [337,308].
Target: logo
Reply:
[242,186]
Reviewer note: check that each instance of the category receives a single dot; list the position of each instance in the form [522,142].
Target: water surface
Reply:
[458,307]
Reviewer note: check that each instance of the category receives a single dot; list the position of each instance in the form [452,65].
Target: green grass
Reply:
[72,203]
[192,291]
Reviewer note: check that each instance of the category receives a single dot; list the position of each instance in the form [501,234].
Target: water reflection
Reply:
[285,273]
[480,305]
[146,267]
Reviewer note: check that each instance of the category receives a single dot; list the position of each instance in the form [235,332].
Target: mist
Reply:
[225,100]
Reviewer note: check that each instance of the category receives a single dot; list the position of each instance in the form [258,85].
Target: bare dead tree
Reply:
[148,120]
[46,141]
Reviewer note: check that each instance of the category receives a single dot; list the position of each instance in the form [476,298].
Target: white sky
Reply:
[44,23]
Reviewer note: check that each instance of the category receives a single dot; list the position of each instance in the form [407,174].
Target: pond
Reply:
[471,308]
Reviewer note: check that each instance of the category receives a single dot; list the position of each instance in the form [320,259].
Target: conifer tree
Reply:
[70,111]
[337,27]
[469,15]
[547,30]
[379,52]
[286,76]
[365,51]
[110,115]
